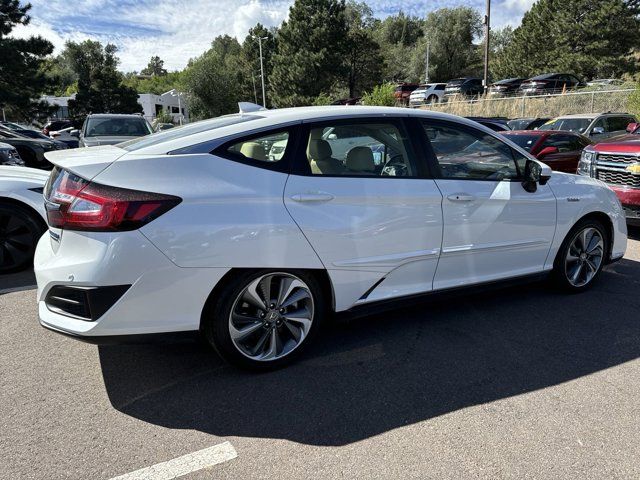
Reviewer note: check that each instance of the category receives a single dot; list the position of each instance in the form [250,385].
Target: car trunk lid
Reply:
[85,162]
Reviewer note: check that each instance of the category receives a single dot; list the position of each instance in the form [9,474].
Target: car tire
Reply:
[20,231]
[432,99]
[251,334]
[582,256]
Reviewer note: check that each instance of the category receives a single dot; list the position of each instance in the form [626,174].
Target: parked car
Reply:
[111,128]
[11,126]
[497,124]
[560,150]
[31,150]
[465,87]
[195,229]
[616,161]
[65,137]
[55,125]
[605,82]
[403,91]
[427,93]
[27,132]
[593,125]
[550,83]
[22,216]
[530,123]
[9,155]
[506,87]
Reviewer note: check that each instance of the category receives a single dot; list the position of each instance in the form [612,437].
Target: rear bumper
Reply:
[162,298]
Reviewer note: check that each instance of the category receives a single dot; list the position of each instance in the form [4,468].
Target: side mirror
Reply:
[597,131]
[75,133]
[535,173]
[632,126]
[547,151]
[332,136]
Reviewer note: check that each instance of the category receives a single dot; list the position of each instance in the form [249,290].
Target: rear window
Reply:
[116,127]
[546,76]
[523,141]
[185,131]
[456,81]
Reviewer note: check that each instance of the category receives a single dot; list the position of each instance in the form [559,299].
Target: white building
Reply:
[171,102]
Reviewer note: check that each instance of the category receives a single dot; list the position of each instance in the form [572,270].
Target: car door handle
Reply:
[312,197]
[461,197]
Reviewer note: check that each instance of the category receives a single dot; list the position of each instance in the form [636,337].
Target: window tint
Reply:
[564,143]
[116,127]
[362,149]
[268,148]
[440,87]
[465,153]
[619,123]
[523,141]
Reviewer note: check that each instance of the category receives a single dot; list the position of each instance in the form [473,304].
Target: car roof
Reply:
[272,119]
[112,115]
[594,115]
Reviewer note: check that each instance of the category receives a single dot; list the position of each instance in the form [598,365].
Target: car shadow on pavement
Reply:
[633,233]
[367,376]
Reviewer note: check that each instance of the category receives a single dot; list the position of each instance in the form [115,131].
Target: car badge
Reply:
[634,168]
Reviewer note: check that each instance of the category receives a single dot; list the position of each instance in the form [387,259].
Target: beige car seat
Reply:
[320,159]
[253,150]
[360,161]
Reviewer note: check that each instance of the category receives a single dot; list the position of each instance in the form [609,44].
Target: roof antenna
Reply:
[247,107]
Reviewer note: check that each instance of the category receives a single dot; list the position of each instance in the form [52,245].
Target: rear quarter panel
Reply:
[231,214]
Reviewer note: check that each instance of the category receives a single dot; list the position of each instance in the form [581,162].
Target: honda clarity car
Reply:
[200,230]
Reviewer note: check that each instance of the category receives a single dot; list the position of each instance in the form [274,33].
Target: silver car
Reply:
[110,129]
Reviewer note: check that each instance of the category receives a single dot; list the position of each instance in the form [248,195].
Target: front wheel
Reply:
[264,320]
[582,256]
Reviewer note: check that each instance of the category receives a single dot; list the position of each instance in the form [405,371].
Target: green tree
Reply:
[156,84]
[381,95]
[310,53]
[589,39]
[451,33]
[363,58]
[154,67]
[212,79]
[22,77]
[100,84]
[398,37]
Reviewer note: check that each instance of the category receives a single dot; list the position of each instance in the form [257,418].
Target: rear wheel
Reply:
[19,234]
[582,255]
[264,319]
[432,99]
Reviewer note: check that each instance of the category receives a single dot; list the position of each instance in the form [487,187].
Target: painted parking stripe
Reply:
[184,465]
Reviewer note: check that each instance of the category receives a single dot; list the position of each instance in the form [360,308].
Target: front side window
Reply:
[468,154]
[377,149]
[267,148]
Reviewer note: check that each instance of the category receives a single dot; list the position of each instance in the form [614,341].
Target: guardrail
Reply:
[553,105]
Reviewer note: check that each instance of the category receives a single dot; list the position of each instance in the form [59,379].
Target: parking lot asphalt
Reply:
[523,382]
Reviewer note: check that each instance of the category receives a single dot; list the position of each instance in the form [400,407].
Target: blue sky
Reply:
[177,30]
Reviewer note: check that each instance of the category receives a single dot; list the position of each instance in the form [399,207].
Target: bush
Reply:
[322,99]
[381,95]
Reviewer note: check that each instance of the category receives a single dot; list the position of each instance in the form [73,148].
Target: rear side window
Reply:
[267,148]
[439,87]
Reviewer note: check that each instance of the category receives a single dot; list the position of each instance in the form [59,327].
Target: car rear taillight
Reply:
[74,203]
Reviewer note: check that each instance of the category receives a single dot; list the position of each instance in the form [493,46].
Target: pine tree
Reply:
[310,54]
[22,78]
[589,39]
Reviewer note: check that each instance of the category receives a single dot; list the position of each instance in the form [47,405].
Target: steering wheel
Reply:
[395,167]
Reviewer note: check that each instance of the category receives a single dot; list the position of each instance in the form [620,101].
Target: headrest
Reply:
[253,150]
[360,159]
[319,149]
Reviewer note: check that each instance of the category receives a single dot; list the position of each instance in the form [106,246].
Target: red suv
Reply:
[616,161]
[403,91]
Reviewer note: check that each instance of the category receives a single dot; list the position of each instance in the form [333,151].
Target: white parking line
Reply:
[184,465]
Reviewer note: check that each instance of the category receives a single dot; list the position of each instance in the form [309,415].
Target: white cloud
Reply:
[177,30]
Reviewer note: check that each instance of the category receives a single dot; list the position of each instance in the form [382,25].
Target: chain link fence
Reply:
[538,106]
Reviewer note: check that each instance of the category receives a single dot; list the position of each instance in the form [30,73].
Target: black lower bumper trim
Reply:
[134,339]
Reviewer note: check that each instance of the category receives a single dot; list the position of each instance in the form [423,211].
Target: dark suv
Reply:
[467,87]
[550,83]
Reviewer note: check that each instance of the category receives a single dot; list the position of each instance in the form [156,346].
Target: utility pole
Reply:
[487,28]
[426,74]
[264,95]
[255,92]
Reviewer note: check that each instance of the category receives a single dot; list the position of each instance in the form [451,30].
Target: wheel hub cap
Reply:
[584,256]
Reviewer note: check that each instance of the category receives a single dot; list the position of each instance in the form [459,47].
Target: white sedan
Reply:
[199,229]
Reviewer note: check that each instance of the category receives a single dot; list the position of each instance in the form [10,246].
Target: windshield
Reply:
[523,141]
[117,127]
[571,124]
[186,130]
